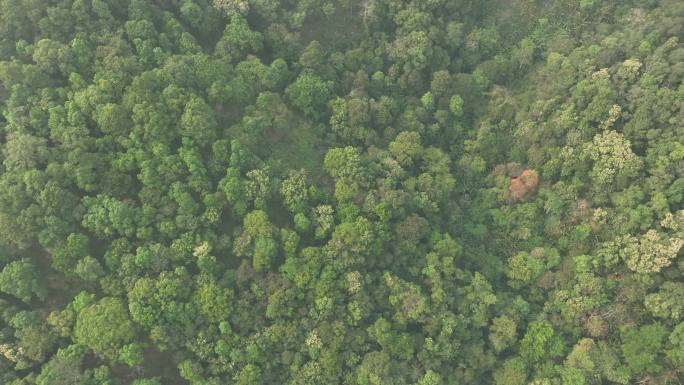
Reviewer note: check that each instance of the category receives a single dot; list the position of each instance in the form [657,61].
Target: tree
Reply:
[456,106]
[323,220]
[265,250]
[231,7]
[676,339]
[406,147]
[341,192]
[512,372]
[64,368]
[581,358]
[107,216]
[105,327]
[478,297]
[523,185]
[524,53]
[649,253]
[668,302]
[502,333]
[431,378]
[132,354]
[256,224]
[309,93]
[399,345]
[213,300]
[540,342]
[249,375]
[259,187]
[612,155]
[238,39]
[523,268]
[89,269]
[21,279]
[407,299]
[295,190]
[147,381]
[376,369]
[302,222]
[198,121]
[641,347]
[350,118]
[412,49]
[24,152]
[343,162]
[112,119]
[34,339]
[234,188]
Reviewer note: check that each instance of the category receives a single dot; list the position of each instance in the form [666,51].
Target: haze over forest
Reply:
[323,192]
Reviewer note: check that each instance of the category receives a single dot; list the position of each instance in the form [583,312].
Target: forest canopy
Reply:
[354,192]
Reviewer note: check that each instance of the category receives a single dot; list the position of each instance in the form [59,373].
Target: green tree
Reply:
[377,369]
[668,302]
[64,368]
[265,250]
[213,300]
[249,375]
[238,39]
[502,333]
[34,339]
[231,7]
[525,267]
[406,147]
[147,381]
[540,342]
[89,269]
[649,253]
[456,106]
[309,93]
[105,327]
[23,152]
[132,354]
[641,347]
[512,372]
[198,121]
[22,280]
[343,162]
[295,190]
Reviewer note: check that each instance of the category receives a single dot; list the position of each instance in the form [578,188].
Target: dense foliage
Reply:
[375,192]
